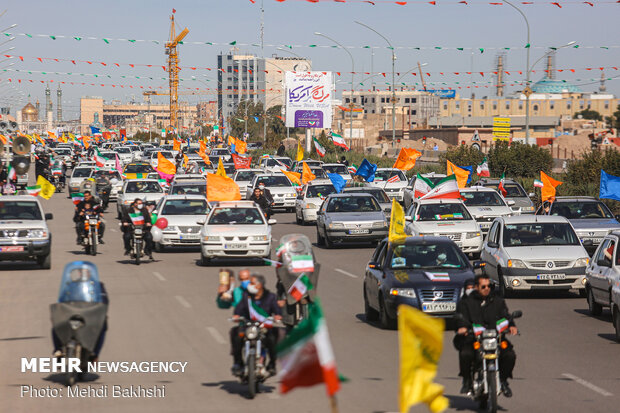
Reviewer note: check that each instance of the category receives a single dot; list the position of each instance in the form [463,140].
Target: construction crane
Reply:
[173,71]
[421,76]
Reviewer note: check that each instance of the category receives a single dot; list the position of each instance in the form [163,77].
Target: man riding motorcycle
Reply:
[90,205]
[137,207]
[484,308]
[259,296]
[261,201]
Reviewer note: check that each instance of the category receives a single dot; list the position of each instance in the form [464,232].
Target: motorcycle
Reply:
[485,380]
[254,355]
[137,243]
[91,233]
[57,178]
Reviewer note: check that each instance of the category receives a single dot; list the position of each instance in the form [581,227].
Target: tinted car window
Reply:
[513,190]
[426,256]
[138,168]
[189,189]
[275,181]
[385,175]
[236,216]
[336,169]
[185,207]
[378,193]
[577,210]
[482,198]
[143,187]
[442,212]
[353,204]
[245,175]
[316,191]
[81,173]
[534,234]
[20,210]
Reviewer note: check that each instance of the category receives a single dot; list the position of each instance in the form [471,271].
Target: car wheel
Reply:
[45,261]
[158,247]
[320,241]
[290,209]
[387,323]
[594,307]
[328,243]
[616,319]
[297,219]
[502,291]
[370,313]
[204,261]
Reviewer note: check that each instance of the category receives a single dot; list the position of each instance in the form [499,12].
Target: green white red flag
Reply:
[319,148]
[501,187]
[300,287]
[538,184]
[258,314]
[339,141]
[483,169]
[136,218]
[302,263]
[447,188]
[99,160]
[77,197]
[33,190]
[422,186]
[12,174]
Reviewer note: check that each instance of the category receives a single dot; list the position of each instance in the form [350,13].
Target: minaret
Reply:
[602,88]
[48,102]
[59,104]
[551,66]
[38,106]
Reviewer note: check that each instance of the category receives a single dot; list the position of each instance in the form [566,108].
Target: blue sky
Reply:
[294,23]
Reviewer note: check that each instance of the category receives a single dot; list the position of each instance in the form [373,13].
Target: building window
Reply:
[413,112]
[373,111]
[406,100]
[469,106]
[445,106]
[354,100]
[551,104]
[229,69]
[520,105]
[382,100]
[606,104]
[347,100]
[581,104]
[507,105]
[457,105]
[494,105]
[481,105]
[535,108]
[568,104]
[413,100]
[373,101]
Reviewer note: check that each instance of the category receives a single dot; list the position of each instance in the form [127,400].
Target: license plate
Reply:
[359,231]
[551,277]
[234,246]
[438,307]
[12,248]
[192,236]
[594,240]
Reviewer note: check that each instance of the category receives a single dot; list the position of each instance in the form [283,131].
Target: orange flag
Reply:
[294,177]
[176,145]
[165,166]
[306,174]
[406,159]
[549,184]
[205,158]
[240,147]
[51,135]
[3,139]
[460,174]
[231,140]
[203,148]
[220,188]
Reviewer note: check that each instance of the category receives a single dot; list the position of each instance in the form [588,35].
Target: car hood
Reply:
[236,230]
[594,223]
[489,211]
[146,197]
[451,226]
[417,278]
[355,216]
[282,190]
[546,252]
[22,224]
[183,220]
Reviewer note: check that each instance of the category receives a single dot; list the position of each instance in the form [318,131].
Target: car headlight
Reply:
[37,233]
[530,208]
[516,264]
[379,224]
[336,225]
[291,196]
[403,292]
[471,235]
[582,262]
[211,238]
[127,201]
[311,206]
[259,238]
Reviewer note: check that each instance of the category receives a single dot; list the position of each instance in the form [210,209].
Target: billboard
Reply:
[445,94]
[309,99]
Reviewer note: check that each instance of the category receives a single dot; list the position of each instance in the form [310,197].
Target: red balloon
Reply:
[161,223]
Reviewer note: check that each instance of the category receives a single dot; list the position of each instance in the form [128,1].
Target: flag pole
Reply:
[333,403]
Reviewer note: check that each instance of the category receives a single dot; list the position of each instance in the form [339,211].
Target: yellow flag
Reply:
[300,152]
[220,169]
[397,223]
[460,174]
[420,341]
[47,188]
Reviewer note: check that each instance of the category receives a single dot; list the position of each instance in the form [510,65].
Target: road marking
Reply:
[182,301]
[348,274]
[588,385]
[216,335]
[159,276]
[113,230]
[274,239]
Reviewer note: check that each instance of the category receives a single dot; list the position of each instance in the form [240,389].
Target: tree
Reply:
[518,160]
[462,155]
[616,118]
[589,114]
[144,136]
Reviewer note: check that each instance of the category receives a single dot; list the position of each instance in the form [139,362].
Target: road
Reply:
[165,310]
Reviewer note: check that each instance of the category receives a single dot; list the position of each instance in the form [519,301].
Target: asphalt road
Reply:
[165,310]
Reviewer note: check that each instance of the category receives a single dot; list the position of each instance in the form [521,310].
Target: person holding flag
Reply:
[135,215]
[257,304]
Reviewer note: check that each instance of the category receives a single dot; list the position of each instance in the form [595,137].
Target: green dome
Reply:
[547,85]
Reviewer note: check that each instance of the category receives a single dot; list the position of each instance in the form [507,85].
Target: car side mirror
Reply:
[531,194]
[49,216]
[603,263]
[510,202]
[272,221]
[617,217]
[408,218]
[479,264]
[319,212]
[374,265]
[516,314]
[492,244]
[587,243]
[201,222]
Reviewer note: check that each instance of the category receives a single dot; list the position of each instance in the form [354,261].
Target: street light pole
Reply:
[393,80]
[352,86]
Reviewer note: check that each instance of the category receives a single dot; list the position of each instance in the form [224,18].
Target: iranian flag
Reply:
[438,276]
[77,197]
[272,263]
[352,169]
[502,325]
[306,355]
[339,141]
[501,187]
[393,179]
[12,175]
[319,148]
[483,169]
[422,186]
[478,329]
[447,188]
[258,314]
[300,287]
[99,160]
[538,184]
[33,190]
[302,263]
[137,218]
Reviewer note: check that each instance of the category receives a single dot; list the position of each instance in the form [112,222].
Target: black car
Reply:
[424,272]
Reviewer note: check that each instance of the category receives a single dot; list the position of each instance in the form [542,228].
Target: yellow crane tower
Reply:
[173,71]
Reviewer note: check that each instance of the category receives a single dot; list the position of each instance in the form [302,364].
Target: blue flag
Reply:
[610,186]
[256,119]
[94,130]
[367,170]
[470,169]
[338,181]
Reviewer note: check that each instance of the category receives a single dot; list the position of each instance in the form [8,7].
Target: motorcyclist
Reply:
[104,187]
[259,296]
[42,162]
[137,207]
[261,201]
[267,194]
[484,308]
[226,298]
[80,214]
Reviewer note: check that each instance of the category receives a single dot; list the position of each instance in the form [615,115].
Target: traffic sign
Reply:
[501,129]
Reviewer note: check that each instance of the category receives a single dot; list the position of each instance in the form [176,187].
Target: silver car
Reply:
[337,168]
[78,175]
[534,252]
[393,181]
[182,213]
[514,192]
[310,199]
[486,204]
[351,217]
[378,193]
[603,273]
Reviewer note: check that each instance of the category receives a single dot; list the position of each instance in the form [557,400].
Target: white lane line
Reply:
[348,274]
[159,276]
[588,385]
[274,239]
[182,301]
[216,335]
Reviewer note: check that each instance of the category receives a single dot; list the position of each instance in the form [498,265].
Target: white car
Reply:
[125,154]
[182,213]
[77,176]
[394,189]
[529,252]
[110,159]
[24,234]
[309,201]
[603,274]
[243,177]
[337,168]
[149,190]
[235,229]
[445,218]
[486,204]
[166,154]
[282,190]
[275,164]
[223,153]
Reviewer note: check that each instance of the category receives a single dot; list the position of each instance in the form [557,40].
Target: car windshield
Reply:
[442,212]
[482,198]
[219,152]
[185,207]
[535,234]
[245,175]
[286,161]
[272,162]
[336,169]
[512,190]
[20,210]
[62,151]
[273,181]
[109,155]
[143,187]
[353,204]
[581,210]
[193,189]
[108,174]
[319,173]
[318,191]
[165,154]
[427,256]
[138,168]
[81,173]
[236,216]
[378,193]
[123,150]
[387,174]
